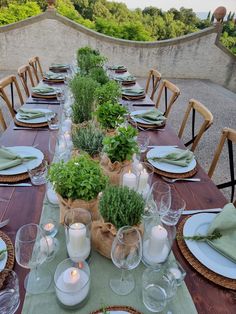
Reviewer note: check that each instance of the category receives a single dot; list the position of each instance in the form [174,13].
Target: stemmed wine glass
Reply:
[126,254]
[159,198]
[31,251]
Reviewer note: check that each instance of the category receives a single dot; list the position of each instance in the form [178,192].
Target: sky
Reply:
[197,5]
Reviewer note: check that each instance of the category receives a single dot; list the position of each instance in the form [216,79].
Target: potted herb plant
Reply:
[110,115]
[83,89]
[118,207]
[77,183]
[109,92]
[99,75]
[88,139]
[88,59]
[118,152]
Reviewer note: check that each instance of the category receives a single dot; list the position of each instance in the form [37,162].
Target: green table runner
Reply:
[100,292]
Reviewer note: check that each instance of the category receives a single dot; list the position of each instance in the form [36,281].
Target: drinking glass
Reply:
[38,176]
[172,215]
[53,121]
[159,198]
[57,147]
[31,251]
[126,254]
[9,292]
[143,141]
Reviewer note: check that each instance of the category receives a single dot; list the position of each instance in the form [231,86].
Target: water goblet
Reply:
[31,251]
[126,254]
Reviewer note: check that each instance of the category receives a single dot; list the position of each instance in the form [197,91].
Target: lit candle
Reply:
[47,245]
[129,180]
[155,249]
[78,245]
[72,286]
[143,181]
[49,227]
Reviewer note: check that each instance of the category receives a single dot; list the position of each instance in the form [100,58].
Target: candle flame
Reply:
[74,273]
[129,171]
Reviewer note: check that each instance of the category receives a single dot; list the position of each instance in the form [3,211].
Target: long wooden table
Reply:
[24,204]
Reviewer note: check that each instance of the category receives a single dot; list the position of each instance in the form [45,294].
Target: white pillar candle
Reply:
[157,240]
[72,290]
[78,245]
[143,180]
[129,180]
[47,245]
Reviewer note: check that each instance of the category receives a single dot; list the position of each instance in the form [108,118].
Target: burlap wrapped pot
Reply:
[114,170]
[67,204]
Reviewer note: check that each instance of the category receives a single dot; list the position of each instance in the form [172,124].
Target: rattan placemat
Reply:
[14,178]
[128,309]
[53,81]
[30,125]
[134,97]
[44,96]
[121,70]
[204,271]
[10,256]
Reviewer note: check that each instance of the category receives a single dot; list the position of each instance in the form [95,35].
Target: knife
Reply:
[15,184]
[199,211]
[144,105]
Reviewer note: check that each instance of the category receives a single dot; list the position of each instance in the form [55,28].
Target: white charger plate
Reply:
[24,151]
[3,247]
[160,151]
[199,224]
[34,121]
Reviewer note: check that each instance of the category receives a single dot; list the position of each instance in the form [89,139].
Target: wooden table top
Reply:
[24,204]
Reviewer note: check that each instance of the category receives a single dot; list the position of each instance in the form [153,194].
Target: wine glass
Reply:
[159,198]
[126,254]
[31,251]
[57,146]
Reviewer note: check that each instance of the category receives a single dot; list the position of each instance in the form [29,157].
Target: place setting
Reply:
[33,118]
[147,119]
[118,68]
[59,67]
[135,93]
[52,77]
[207,241]
[125,79]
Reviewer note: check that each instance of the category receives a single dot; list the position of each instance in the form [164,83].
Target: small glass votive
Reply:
[144,172]
[175,269]
[77,223]
[38,176]
[50,227]
[72,283]
[158,289]
[9,292]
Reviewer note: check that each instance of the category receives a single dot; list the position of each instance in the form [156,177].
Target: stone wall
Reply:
[55,39]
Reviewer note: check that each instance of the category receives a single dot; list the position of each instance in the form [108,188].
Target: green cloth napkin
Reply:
[8,159]
[43,89]
[126,78]
[178,157]
[59,65]
[133,91]
[154,116]
[28,114]
[53,76]
[225,223]
[117,67]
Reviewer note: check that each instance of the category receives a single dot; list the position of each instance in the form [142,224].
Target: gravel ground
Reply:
[220,101]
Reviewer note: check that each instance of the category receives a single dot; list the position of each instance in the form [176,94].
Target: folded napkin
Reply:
[8,159]
[132,91]
[225,223]
[126,78]
[178,157]
[43,89]
[117,67]
[154,116]
[53,76]
[59,65]
[28,114]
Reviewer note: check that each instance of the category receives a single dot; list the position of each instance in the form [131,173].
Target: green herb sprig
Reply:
[198,237]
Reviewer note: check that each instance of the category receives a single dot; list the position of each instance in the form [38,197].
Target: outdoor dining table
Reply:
[24,205]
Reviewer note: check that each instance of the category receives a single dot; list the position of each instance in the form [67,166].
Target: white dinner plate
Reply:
[199,224]
[34,121]
[140,120]
[3,247]
[160,151]
[24,151]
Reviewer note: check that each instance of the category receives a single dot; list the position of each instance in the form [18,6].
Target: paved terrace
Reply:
[220,101]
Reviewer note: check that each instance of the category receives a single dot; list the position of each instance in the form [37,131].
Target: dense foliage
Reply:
[116,20]
[79,178]
[121,206]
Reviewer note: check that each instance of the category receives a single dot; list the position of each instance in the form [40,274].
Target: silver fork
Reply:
[180,179]
[4,223]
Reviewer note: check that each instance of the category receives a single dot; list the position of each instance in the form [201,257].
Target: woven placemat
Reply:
[44,96]
[128,309]
[30,125]
[53,81]
[121,70]
[200,268]
[10,256]
[134,97]
[14,178]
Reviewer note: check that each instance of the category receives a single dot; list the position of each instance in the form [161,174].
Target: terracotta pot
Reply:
[51,3]
[219,13]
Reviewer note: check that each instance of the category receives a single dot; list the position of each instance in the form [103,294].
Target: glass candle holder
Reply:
[50,227]
[157,243]
[72,283]
[9,292]
[77,224]
[144,173]
[175,269]
[51,195]
[129,178]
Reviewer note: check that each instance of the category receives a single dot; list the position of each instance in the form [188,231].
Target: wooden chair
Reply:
[25,75]
[229,135]
[196,106]
[175,92]
[2,121]
[36,68]
[154,78]
[9,88]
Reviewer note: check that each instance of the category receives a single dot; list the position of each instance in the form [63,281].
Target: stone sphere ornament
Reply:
[219,14]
